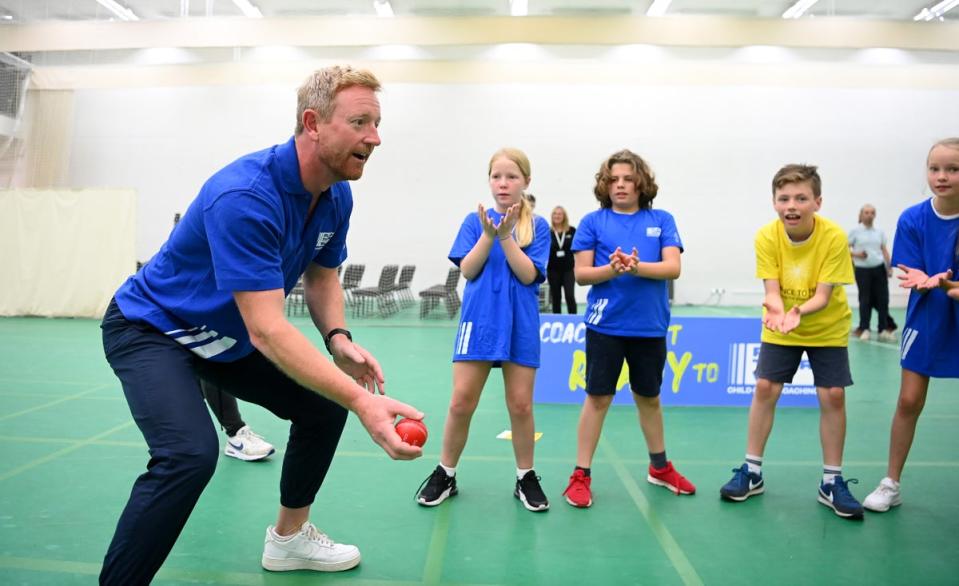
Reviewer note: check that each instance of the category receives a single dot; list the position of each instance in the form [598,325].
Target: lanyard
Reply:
[560,241]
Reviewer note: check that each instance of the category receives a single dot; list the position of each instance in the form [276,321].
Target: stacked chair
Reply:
[352,276]
[545,305]
[404,296]
[445,293]
[381,297]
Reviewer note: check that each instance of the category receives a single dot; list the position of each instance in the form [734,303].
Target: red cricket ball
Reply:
[412,431]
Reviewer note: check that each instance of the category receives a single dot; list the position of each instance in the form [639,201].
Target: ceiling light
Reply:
[248,9]
[396,52]
[121,12]
[516,52]
[936,11]
[658,8]
[383,7]
[799,8]
[518,7]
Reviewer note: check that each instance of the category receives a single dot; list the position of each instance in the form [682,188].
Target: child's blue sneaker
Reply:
[837,497]
[743,485]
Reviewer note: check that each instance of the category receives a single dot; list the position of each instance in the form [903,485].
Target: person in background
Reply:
[870,257]
[559,272]
[242,442]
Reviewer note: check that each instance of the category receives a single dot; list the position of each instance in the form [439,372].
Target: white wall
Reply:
[714,149]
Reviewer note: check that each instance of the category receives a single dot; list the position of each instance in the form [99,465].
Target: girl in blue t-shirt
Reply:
[627,312]
[926,243]
[502,252]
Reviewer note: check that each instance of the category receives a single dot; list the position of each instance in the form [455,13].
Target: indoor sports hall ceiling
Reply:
[31,11]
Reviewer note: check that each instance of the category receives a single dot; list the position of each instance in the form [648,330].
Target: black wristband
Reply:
[333,332]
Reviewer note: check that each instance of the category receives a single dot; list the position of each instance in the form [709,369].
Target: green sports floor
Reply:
[71,452]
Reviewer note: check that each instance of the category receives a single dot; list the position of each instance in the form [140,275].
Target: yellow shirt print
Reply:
[799,268]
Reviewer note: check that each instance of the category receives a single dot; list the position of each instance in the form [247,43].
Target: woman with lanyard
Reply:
[559,271]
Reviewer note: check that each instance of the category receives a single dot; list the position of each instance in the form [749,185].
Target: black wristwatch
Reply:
[333,332]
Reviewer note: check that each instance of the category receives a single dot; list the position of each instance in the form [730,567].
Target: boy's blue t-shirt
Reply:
[500,317]
[628,305]
[930,338]
[247,230]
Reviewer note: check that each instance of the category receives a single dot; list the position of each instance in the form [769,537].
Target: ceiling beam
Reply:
[359,31]
[687,73]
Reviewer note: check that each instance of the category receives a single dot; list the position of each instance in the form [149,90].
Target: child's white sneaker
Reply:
[884,497]
[308,549]
[246,445]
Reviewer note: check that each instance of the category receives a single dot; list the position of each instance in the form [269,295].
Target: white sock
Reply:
[829,473]
[754,463]
[451,472]
[521,472]
[282,538]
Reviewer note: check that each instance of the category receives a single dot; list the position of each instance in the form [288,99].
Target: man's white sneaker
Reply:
[246,445]
[864,336]
[308,549]
[884,497]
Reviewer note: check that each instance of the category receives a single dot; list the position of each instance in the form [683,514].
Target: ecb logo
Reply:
[742,371]
[323,239]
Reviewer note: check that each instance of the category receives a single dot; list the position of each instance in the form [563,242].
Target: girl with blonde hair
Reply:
[502,252]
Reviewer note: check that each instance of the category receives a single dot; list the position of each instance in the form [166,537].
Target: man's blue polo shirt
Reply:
[247,230]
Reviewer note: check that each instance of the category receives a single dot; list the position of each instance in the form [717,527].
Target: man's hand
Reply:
[378,414]
[357,362]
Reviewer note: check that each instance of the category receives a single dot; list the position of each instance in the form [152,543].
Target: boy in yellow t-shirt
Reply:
[803,260]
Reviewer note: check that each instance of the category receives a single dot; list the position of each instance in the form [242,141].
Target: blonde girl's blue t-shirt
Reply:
[628,305]
[499,321]
[249,229]
[929,242]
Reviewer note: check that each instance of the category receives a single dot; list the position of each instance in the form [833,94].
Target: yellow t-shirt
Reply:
[822,258]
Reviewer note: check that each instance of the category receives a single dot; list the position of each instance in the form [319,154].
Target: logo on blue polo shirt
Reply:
[323,239]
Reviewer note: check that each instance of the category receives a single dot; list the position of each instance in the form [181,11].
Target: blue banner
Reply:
[710,362]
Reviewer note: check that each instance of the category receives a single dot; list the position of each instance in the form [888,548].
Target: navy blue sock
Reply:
[658,460]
